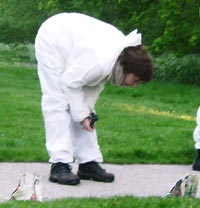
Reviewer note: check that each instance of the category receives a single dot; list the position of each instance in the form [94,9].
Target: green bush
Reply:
[22,52]
[183,69]
[168,67]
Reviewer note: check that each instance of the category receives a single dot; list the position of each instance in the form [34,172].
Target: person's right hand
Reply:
[86,124]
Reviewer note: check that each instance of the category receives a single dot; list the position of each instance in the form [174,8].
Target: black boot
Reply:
[61,173]
[93,171]
[196,164]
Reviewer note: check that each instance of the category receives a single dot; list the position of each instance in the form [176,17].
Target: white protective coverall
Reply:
[75,54]
[196,133]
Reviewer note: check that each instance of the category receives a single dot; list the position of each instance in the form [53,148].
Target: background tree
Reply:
[166,25]
[181,23]
[19,20]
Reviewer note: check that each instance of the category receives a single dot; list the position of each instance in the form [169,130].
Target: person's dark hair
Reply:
[138,61]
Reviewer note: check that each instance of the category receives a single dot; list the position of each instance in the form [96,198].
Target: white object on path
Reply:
[29,188]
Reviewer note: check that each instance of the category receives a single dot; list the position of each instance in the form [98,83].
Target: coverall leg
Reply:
[64,137]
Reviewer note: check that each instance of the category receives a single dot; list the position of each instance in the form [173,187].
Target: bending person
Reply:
[76,56]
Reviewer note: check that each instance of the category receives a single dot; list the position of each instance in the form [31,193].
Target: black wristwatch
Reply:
[93,117]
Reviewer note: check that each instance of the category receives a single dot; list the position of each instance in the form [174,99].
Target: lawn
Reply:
[115,202]
[149,124]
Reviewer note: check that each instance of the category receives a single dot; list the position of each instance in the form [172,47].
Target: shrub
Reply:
[168,67]
[17,52]
[185,69]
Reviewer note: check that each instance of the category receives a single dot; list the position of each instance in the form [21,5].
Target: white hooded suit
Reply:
[75,55]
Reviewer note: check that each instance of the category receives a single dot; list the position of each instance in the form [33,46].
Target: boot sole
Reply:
[94,178]
[54,180]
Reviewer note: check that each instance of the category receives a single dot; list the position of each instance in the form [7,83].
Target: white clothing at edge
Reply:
[196,133]
[75,54]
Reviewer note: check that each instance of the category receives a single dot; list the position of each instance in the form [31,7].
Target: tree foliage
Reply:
[166,25]
[181,23]
[19,20]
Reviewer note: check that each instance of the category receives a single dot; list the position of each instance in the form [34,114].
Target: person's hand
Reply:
[86,124]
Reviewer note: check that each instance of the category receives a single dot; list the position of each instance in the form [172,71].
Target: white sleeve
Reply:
[77,102]
[82,71]
[92,94]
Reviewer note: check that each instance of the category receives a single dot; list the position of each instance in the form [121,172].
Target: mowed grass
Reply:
[114,202]
[21,125]
[149,124]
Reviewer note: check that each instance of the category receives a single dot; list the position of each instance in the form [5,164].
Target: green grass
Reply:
[115,202]
[21,125]
[149,124]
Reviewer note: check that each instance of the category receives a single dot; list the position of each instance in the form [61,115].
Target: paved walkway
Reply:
[137,180]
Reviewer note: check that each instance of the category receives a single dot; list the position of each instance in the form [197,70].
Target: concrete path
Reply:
[136,180]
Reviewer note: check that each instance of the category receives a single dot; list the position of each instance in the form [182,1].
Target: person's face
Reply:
[131,80]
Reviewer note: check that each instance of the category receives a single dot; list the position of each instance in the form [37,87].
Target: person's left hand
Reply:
[86,124]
